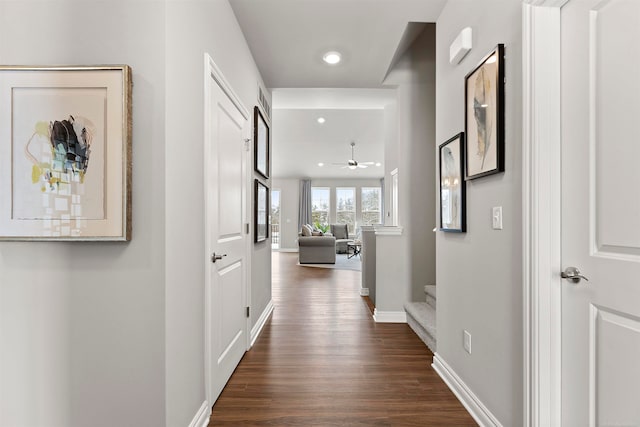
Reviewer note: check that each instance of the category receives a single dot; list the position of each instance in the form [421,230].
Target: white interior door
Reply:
[226,240]
[601,212]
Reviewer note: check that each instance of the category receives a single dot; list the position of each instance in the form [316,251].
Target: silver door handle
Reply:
[215,257]
[573,274]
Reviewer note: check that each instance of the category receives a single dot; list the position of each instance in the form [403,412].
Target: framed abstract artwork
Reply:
[453,215]
[261,143]
[65,153]
[484,116]
[261,212]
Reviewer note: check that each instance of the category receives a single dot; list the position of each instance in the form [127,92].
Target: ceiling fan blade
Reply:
[360,165]
[339,164]
[367,163]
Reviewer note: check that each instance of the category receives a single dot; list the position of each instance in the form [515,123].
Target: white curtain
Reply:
[304,211]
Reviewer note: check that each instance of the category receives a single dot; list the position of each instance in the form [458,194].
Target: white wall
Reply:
[107,334]
[479,273]
[82,324]
[193,28]
[414,75]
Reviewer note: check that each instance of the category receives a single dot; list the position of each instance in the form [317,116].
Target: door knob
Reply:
[215,257]
[572,274]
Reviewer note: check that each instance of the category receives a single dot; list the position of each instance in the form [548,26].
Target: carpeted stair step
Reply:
[421,317]
[430,292]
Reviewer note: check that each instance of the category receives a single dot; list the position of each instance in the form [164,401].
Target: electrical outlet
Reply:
[466,341]
[496,217]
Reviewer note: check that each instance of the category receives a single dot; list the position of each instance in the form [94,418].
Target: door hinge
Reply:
[246,227]
[248,311]
[247,146]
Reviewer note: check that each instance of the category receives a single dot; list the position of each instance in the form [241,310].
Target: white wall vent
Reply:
[264,103]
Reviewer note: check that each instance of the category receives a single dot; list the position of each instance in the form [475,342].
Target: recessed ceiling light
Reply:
[321,164]
[378,164]
[321,120]
[332,57]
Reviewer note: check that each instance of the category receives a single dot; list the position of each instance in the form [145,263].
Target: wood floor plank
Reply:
[322,361]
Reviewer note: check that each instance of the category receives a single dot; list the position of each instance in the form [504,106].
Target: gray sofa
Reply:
[316,249]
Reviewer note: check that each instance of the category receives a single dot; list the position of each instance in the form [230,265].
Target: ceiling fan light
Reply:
[352,167]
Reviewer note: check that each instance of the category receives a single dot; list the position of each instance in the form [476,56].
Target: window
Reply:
[320,205]
[346,207]
[370,205]
[275,219]
[394,197]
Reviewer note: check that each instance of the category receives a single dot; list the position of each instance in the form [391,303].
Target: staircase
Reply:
[421,317]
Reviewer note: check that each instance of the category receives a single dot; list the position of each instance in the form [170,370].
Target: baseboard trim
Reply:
[292,250]
[478,411]
[202,417]
[389,316]
[257,328]
[364,292]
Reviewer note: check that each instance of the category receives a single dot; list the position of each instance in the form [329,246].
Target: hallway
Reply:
[322,361]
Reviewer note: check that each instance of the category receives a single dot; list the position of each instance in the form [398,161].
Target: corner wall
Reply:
[111,334]
[414,75]
[479,273]
[193,28]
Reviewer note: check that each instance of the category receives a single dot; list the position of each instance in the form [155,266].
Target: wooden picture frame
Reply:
[484,116]
[453,213]
[261,143]
[65,153]
[260,212]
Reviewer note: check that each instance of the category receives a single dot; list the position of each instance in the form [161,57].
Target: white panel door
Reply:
[226,186]
[601,212]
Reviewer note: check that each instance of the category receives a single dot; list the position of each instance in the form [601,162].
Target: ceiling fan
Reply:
[352,163]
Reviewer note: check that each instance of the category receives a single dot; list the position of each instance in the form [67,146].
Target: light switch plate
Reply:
[496,218]
[466,341]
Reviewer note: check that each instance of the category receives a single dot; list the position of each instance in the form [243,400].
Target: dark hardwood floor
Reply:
[322,361]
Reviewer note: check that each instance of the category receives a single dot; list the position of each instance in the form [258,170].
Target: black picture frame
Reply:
[484,116]
[453,211]
[261,143]
[260,212]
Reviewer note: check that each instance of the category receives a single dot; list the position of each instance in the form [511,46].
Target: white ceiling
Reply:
[300,142]
[288,38]
[326,99]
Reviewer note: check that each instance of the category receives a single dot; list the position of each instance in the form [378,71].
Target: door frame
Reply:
[541,173]
[213,75]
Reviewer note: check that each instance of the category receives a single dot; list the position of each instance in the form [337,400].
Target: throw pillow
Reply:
[306,231]
[317,233]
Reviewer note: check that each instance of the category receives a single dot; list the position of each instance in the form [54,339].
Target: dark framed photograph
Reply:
[261,143]
[261,212]
[484,116]
[453,215]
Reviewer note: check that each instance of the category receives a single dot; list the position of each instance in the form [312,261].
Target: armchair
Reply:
[341,233]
